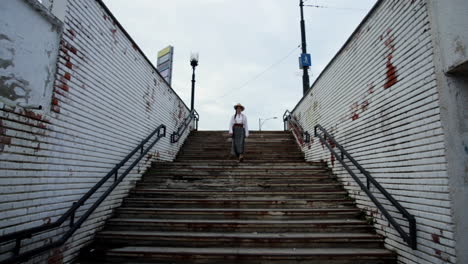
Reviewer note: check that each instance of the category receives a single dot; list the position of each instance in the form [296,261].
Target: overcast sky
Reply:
[237,41]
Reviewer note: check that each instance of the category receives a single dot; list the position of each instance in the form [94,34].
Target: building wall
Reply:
[451,58]
[106,98]
[380,99]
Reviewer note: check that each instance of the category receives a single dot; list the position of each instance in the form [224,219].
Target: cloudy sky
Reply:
[248,49]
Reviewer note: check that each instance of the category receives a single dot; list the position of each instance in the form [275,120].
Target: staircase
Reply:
[207,208]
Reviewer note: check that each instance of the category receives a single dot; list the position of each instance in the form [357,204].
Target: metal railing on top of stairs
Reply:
[291,123]
[410,238]
[181,129]
[18,256]
[331,143]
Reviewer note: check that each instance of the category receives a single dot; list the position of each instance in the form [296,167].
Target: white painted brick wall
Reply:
[392,127]
[107,98]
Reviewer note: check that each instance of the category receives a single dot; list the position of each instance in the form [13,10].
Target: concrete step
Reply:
[246,159]
[259,180]
[198,225]
[279,147]
[249,143]
[236,203]
[226,164]
[233,185]
[237,213]
[236,255]
[228,168]
[241,174]
[212,194]
[237,239]
[253,154]
[259,138]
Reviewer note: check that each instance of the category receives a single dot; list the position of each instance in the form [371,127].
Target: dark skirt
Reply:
[238,139]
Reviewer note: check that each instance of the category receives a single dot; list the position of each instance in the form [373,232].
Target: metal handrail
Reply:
[70,213]
[290,121]
[175,136]
[328,140]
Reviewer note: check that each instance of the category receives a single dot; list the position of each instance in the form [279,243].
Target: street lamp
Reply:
[260,122]
[194,63]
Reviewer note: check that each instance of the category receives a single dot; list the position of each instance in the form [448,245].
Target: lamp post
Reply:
[260,122]
[194,63]
[304,55]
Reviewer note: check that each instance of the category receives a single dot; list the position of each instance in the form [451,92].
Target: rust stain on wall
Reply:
[56,257]
[4,140]
[370,88]
[392,76]
[391,73]
[67,76]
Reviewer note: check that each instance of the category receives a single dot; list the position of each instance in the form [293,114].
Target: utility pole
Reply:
[305,58]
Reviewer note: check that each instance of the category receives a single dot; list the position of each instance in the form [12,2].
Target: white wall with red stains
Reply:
[381,99]
[105,98]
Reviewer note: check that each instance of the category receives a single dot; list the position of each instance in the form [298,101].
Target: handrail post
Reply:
[412,233]
[72,216]
[307,137]
[17,248]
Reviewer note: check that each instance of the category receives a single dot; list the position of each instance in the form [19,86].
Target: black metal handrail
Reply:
[328,140]
[175,136]
[70,213]
[291,123]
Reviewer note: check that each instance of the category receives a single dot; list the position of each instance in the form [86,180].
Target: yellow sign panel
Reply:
[164,51]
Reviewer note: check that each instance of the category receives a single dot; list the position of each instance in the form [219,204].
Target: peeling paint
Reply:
[459,47]
[14,88]
[370,88]
[365,105]
[4,37]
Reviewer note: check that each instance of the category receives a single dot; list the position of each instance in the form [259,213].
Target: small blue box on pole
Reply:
[305,60]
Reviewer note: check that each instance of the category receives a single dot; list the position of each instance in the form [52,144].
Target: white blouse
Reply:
[240,119]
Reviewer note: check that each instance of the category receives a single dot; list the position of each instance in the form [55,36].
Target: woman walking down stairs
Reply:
[206,208]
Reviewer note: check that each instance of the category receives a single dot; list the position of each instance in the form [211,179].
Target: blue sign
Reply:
[305,61]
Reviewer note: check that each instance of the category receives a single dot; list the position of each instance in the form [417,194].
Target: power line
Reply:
[263,72]
[335,7]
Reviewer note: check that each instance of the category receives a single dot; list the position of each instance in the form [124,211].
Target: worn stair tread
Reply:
[235,200]
[251,235]
[255,251]
[231,191]
[236,221]
[218,210]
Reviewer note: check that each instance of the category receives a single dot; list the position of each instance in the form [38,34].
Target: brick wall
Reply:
[379,98]
[106,98]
